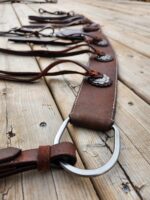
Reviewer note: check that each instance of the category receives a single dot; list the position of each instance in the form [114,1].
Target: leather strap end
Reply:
[8,154]
[13,160]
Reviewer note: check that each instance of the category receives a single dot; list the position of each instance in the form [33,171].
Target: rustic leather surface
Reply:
[14,160]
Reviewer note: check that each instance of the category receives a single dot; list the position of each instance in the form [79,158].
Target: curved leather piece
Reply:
[94,107]
[14,160]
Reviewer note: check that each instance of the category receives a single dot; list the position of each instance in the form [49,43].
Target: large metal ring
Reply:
[90,172]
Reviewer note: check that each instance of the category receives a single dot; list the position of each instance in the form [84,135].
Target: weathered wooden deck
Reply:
[24,107]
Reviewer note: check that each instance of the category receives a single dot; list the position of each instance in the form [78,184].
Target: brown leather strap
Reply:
[43,41]
[57,20]
[14,160]
[74,36]
[29,31]
[59,24]
[94,107]
[71,51]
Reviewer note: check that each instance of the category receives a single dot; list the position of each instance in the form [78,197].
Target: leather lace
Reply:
[33,76]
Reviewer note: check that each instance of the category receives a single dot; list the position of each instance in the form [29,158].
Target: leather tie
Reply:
[14,160]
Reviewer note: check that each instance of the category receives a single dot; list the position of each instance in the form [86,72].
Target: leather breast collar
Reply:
[94,107]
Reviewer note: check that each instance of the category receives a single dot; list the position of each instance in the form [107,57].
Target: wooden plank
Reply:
[133,70]
[132,2]
[122,8]
[131,19]
[114,31]
[24,108]
[90,143]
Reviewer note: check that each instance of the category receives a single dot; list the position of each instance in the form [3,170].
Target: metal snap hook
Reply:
[90,172]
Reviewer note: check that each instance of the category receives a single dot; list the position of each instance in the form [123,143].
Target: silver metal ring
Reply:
[90,172]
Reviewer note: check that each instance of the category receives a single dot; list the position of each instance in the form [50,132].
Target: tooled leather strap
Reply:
[14,160]
[94,107]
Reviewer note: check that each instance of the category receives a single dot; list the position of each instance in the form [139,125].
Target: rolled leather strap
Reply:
[14,160]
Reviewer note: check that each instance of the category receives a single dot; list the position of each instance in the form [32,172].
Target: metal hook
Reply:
[90,172]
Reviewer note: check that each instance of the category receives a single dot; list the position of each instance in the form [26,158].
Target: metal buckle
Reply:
[90,172]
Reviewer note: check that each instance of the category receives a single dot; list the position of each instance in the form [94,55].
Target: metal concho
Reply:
[102,43]
[104,58]
[103,81]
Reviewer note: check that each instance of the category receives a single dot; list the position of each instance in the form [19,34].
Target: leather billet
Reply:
[14,160]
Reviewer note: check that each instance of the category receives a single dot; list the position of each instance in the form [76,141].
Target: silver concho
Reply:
[104,58]
[102,43]
[103,81]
